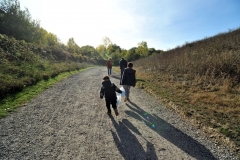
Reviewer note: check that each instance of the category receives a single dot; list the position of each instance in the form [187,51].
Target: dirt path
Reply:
[69,121]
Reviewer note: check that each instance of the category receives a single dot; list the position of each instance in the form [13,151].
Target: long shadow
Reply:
[170,133]
[127,143]
[116,77]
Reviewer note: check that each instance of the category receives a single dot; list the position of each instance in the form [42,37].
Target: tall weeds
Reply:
[202,78]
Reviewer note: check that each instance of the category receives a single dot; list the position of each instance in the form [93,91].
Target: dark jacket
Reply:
[129,77]
[123,64]
[108,90]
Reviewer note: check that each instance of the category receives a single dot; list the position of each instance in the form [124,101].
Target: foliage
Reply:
[24,64]
[110,50]
[89,51]
[142,49]
[18,23]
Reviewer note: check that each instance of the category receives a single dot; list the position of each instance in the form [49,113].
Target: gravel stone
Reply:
[69,121]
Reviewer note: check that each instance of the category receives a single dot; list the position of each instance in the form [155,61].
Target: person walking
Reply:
[123,65]
[109,66]
[108,90]
[128,80]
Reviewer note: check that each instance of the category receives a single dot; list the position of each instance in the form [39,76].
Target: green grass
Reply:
[12,102]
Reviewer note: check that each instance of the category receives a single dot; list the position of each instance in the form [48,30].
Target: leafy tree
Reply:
[112,48]
[18,23]
[142,49]
[72,46]
[152,51]
[102,51]
[52,39]
[15,22]
[132,54]
[89,51]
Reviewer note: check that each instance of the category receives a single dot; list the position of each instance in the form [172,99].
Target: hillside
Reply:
[24,64]
[200,80]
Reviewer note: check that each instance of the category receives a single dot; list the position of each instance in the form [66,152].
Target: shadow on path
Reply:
[116,76]
[128,144]
[170,133]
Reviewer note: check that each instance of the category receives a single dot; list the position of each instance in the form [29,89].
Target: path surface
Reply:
[69,121]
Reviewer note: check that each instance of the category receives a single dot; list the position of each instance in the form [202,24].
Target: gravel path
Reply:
[69,121]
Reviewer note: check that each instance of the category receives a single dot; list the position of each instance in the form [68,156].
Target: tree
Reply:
[132,54]
[15,22]
[102,51]
[142,49]
[112,48]
[89,51]
[52,39]
[72,46]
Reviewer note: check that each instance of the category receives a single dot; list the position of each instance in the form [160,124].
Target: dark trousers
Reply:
[108,104]
[122,72]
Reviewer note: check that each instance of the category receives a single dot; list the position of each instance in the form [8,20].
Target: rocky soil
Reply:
[69,121]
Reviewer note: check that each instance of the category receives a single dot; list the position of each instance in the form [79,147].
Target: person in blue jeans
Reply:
[128,80]
[109,66]
[108,90]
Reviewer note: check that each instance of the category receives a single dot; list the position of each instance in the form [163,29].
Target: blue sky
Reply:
[163,24]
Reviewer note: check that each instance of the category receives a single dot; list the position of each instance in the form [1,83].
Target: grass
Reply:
[202,80]
[215,112]
[14,101]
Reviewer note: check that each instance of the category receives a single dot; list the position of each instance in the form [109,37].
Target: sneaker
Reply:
[116,112]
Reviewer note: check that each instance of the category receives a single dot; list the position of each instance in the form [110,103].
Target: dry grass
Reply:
[201,78]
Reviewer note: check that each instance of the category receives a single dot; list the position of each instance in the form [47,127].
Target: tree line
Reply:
[19,24]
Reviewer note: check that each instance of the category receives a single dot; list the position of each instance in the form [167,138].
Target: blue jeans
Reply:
[109,71]
[127,90]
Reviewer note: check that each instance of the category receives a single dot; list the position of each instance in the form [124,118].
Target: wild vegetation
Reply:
[30,54]
[201,80]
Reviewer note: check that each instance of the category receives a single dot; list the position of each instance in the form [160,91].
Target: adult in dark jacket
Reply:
[128,80]
[108,90]
[123,65]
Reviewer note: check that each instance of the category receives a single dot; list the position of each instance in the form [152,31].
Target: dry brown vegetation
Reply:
[201,80]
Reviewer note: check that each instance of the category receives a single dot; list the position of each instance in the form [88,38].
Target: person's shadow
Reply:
[170,133]
[116,77]
[127,143]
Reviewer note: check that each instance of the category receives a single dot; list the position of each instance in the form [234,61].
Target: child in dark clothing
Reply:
[108,90]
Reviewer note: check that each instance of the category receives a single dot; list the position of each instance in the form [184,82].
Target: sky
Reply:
[163,24]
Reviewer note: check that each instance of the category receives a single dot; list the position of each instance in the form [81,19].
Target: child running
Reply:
[108,90]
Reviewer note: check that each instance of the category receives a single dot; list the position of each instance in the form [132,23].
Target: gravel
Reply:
[69,121]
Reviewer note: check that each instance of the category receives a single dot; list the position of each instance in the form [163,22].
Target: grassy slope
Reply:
[19,99]
[27,69]
[201,80]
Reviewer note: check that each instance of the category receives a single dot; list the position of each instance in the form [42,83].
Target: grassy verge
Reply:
[14,101]
[216,111]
